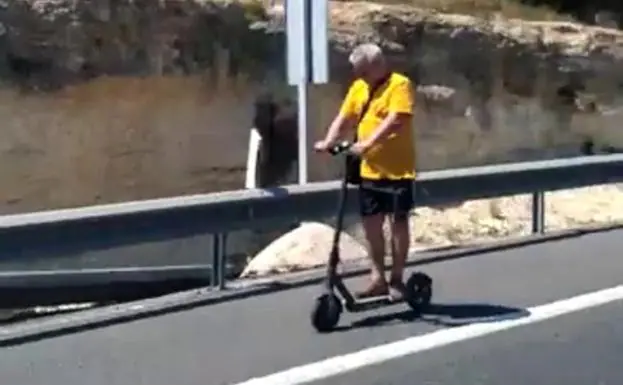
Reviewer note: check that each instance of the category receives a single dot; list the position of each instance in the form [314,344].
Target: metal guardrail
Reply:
[220,213]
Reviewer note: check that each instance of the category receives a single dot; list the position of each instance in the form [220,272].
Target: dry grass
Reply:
[469,224]
[512,9]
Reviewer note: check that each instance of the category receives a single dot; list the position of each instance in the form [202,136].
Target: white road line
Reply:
[337,365]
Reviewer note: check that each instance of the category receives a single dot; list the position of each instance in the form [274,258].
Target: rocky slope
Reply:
[115,99]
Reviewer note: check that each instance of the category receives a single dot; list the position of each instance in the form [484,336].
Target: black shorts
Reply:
[385,196]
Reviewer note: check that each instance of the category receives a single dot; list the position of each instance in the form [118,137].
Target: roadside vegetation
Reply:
[512,9]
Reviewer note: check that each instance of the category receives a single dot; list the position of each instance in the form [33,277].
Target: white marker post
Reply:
[307,59]
[253,153]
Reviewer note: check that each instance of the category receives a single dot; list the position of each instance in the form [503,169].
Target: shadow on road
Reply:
[448,315]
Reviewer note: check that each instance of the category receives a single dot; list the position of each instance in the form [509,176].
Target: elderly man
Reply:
[379,106]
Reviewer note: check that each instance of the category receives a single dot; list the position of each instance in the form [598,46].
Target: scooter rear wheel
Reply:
[326,313]
[419,291]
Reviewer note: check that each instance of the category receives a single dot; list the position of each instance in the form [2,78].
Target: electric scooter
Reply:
[328,306]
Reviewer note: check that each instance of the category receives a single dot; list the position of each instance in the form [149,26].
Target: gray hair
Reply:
[365,53]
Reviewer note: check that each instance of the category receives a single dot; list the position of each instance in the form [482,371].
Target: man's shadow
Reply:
[447,315]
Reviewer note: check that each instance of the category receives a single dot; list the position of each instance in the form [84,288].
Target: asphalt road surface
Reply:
[543,334]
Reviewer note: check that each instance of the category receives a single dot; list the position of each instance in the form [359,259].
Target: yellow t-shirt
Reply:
[394,157]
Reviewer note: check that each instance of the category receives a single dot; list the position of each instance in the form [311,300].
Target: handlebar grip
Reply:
[340,148]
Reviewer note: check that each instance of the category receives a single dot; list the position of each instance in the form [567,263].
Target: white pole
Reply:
[302,88]
[255,139]
[306,20]
[302,131]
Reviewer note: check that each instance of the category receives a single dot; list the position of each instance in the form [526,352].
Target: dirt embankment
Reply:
[105,101]
[475,222]
[119,100]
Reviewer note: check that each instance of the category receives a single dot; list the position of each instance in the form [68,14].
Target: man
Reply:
[387,149]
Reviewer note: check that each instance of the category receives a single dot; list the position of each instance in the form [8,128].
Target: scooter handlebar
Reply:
[340,148]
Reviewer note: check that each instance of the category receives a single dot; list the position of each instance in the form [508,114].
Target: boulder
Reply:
[305,247]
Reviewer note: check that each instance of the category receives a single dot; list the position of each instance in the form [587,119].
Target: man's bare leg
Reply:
[373,228]
[400,249]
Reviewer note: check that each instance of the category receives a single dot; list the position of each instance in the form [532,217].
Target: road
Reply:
[232,342]
[580,348]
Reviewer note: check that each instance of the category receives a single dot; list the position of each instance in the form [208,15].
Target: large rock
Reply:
[305,247]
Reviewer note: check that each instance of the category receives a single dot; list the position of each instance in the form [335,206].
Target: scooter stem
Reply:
[339,225]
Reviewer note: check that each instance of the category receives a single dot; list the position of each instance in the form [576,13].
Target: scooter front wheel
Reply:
[326,313]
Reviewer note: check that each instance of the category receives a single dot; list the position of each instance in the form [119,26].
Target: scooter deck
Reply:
[353,304]
[370,303]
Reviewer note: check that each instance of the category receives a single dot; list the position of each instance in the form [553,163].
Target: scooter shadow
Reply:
[446,315]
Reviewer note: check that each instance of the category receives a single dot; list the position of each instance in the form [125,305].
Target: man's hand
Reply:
[359,148]
[322,146]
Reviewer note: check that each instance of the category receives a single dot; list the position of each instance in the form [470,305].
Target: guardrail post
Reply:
[222,261]
[538,212]
[216,249]
[219,259]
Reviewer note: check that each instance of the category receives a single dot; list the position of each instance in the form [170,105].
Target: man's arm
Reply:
[345,118]
[400,112]
[392,122]
[340,124]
